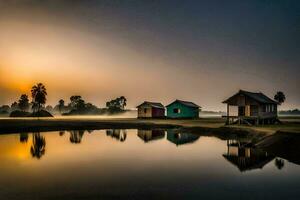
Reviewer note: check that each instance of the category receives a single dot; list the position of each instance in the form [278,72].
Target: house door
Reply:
[241,111]
[247,111]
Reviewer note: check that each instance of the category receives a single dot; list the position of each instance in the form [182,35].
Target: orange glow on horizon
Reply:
[12,79]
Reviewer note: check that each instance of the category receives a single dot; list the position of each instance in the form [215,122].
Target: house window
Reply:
[145,110]
[176,110]
[272,108]
[264,108]
[267,108]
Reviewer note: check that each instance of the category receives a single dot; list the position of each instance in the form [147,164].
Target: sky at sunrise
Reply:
[201,51]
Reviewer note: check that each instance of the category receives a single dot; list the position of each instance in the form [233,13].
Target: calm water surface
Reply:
[140,164]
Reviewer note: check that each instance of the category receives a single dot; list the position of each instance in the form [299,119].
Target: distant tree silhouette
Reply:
[279,97]
[61,105]
[77,103]
[49,108]
[290,112]
[116,105]
[23,102]
[78,106]
[90,106]
[38,93]
[38,147]
[279,163]
[4,109]
[14,106]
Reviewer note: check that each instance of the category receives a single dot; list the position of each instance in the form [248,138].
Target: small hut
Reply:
[151,110]
[252,108]
[183,109]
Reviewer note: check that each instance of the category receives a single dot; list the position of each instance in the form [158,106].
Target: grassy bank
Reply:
[52,124]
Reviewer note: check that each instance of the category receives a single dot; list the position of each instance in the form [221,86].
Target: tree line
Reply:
[76,106]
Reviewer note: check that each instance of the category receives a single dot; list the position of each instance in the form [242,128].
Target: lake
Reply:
[140,164]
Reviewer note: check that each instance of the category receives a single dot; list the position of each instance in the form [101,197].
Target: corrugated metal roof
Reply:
[258,96]
[186,103]
[152,104]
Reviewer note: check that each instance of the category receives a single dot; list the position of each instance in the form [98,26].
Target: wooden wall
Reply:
[145,111]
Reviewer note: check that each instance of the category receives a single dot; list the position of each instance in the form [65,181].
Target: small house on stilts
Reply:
[252,108]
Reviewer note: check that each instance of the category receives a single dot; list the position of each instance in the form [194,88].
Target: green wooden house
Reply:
[183,109]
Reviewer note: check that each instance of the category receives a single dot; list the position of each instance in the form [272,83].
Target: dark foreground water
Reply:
[142,164]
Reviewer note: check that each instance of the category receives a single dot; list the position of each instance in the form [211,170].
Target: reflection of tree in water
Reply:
[117,134]
[23,137]
[76,136]
[38,147]
[279,163]
[61,133]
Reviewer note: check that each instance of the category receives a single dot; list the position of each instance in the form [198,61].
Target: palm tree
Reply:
[39,93]
[279,97]
[38,147]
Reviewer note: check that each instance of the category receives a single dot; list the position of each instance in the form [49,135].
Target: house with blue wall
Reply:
[183,109]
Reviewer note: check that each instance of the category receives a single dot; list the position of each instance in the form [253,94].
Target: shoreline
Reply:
[280,140]
[217,125]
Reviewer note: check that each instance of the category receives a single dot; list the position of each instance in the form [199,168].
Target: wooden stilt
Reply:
[227,121]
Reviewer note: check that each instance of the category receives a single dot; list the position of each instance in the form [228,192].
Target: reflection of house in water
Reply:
[180,138]
[76,136]
[244,156]
[117,134]
[148,135]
